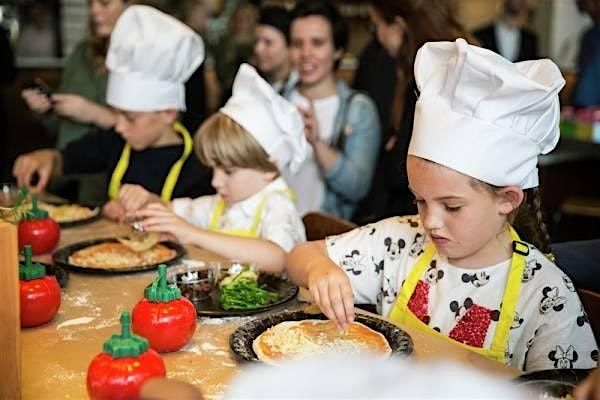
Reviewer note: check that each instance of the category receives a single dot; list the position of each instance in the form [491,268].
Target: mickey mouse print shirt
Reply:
[549,330]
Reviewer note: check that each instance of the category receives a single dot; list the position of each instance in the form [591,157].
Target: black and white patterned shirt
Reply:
[550,328]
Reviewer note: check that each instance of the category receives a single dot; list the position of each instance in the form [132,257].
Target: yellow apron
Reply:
[401,314]
[167,190]
[252,231]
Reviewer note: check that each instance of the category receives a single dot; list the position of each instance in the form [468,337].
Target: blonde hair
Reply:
[222,142]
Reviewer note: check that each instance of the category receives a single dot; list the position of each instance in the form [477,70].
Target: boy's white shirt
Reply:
[280,222]
[378,257]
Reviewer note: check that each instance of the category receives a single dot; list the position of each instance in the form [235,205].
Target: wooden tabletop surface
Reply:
[55,356]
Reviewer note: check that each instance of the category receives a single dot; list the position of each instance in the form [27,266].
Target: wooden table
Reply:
[55,356]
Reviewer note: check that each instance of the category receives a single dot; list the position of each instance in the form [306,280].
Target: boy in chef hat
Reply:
[252,218]
[150,57]
[459,270]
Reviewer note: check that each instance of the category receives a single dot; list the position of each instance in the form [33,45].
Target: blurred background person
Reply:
[341,124]
[79,104]
[271,48]
[7,75]
[586,92]
[507,36]
[38,36]
[376,76]
[402,27]
[236,47]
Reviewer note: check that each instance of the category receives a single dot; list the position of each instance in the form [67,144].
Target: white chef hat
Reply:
[150,56]
[272,120]
[483,115]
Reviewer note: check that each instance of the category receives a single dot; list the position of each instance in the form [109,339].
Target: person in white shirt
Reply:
[252,218]
[459,270]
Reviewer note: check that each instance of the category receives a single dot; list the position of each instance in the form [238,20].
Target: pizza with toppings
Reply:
[114,255]
[68,212]
[300,339]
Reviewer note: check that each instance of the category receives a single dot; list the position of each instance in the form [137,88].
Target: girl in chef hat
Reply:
[252,218]
[459,270]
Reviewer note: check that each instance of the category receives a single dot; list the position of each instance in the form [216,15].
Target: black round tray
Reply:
[68,224]
[572,376]
[61,258]
[241,339]
[275,283]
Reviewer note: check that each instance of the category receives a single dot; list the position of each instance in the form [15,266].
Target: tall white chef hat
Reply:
[273,121]
[150,56]
[483,115]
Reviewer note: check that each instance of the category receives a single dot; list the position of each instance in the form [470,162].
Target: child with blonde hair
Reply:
[459,270]
[252,218]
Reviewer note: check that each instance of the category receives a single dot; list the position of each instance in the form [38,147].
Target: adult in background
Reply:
[588,61]
[402,26]
[507,37]
[271,48]
[341,124]
[79,102]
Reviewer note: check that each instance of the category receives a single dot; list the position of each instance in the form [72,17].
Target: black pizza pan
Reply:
[61,258]
[242,338]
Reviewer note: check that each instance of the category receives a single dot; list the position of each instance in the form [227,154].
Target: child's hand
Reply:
[332,292]
[156,217]
[133,197]
[113,210]
[589,389]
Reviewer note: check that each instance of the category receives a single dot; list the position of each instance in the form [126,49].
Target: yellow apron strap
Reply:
[511,293]
[396,313]
[172,177]
[213,225]
[118,173]
[217,213]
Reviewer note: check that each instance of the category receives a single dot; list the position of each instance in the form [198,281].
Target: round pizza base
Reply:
[115,256]
[306,338]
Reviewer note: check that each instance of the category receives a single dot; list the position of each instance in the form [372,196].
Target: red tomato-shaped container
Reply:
[164,317]
[124,365]
[38,230]
[40,294]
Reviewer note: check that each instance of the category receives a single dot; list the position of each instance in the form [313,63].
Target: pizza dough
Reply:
[113,255]
[300,339]
[68,212]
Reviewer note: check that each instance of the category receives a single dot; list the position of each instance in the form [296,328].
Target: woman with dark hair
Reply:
[271,47]
[341,125]
[402,27]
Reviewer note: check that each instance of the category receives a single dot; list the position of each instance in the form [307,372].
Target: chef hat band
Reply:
[150,57]
[273,121]
[484,116]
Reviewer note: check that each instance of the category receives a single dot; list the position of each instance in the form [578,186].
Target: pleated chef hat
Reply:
[483,115]
[272,120]
[150,57]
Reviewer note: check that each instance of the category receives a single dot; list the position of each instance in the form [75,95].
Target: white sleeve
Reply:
[281,223]
[564,338]
[196,211]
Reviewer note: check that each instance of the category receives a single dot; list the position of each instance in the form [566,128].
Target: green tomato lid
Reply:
[34,212]
[30,270]
[126,344]
[160,291]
